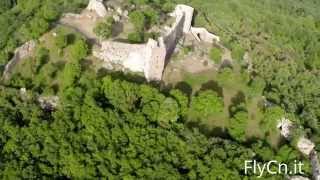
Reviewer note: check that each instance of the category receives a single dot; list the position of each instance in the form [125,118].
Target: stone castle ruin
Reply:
[150,58]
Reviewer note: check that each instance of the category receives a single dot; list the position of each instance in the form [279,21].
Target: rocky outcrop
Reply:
[285,126]
[98,7]
[315,165]
[48,103]
[24,51]
[304,145]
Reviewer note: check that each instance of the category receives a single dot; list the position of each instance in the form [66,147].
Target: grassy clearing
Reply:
[229,85]
[198,81]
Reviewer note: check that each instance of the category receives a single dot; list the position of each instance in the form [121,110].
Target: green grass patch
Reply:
[215,55]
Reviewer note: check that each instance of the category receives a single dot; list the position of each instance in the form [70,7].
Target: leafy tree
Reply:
[37,27]
[122,95]
[29,6]
[50,11]
[205,104]
[168,111]
[182,100]
[256,87]
[138,19]
[238,125]
[270,119]
[151,17]
[263,151]
[79,49]
[168,7]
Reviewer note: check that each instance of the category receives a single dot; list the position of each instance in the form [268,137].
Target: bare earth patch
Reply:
[83,23]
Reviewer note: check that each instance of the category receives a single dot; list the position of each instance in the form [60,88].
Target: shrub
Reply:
[104,29]
[168,7]
[79,50]
[152,17]
[136,37]
[206,104]
[138,19]
[238,125]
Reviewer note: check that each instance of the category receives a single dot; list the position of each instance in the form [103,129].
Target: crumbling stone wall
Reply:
[131,56]
[181,11]
[173,35]
[183,18]
[315,165]
[146,58]
[155,62]
[20,53]
[202,34]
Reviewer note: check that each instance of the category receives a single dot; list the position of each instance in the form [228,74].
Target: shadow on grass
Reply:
[238,103]
[214,86]
[185,88]
[130,77]
[209,131]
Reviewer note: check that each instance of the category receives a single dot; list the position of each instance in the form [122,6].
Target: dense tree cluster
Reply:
[111,128]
